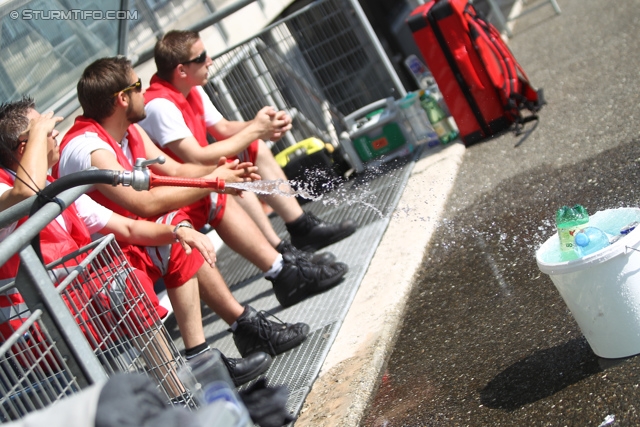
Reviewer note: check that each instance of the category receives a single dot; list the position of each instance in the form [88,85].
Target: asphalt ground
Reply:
[486,338]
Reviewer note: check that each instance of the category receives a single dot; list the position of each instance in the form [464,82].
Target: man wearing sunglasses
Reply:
[179,116]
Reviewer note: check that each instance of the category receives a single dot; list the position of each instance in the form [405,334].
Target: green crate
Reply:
[379,141]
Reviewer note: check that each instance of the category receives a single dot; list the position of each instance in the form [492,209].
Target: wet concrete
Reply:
[487,339]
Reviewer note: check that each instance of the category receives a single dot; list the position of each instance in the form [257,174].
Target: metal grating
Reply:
[297,369]
[369,200]
[106,298]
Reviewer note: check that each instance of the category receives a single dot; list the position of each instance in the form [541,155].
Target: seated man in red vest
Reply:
[28,148]
[106,136]
[179,115]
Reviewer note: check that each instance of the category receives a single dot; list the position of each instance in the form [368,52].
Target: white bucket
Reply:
[602,289]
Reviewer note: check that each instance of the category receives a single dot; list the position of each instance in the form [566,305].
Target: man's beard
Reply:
[133,117]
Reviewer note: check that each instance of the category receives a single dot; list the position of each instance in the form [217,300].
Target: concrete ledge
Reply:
[351,370]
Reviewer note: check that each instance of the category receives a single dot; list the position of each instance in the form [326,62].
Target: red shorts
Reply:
[170,262]
[204,212]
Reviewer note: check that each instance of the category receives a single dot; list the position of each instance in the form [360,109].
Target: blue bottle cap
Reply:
[582,239]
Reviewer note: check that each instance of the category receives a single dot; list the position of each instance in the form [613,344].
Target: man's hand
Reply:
[190,238]
[232,172]
[271,123]
[43,124]
[286,119]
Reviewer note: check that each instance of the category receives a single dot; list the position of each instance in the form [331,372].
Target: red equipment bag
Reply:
[483,85]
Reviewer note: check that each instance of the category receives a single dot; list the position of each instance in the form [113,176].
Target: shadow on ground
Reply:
[540,375]
[487,339]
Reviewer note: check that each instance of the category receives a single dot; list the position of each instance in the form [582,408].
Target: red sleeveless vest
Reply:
[83,125]
[55,242]
[191,107]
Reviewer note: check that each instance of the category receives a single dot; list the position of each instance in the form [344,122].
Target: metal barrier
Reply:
[43,54]
[32,377]
[319,64]
[45,45]
[75,321]
[501,21]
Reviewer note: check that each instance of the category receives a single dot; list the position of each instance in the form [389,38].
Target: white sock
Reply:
[275,269]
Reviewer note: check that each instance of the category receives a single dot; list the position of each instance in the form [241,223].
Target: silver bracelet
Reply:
[180,224]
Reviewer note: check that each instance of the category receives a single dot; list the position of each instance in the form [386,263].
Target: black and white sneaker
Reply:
[255,333]
[300,279]
[310,233]
[323,258]
[249,367]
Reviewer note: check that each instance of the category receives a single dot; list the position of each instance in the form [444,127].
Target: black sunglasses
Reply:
[198,59]
[137,86]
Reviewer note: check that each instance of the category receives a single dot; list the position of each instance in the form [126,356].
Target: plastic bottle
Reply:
[568,222]
[590,240]
[437,117]
[207,378]
[420,72]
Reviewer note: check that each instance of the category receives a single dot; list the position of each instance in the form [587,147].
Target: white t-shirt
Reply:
[76,155]
[165,124]
[94,215]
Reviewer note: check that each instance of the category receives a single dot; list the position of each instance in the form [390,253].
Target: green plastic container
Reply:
[570,221]
[376,144]
[378,134]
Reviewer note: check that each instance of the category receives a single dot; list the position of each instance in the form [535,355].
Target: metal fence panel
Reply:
[107,300]
[43,52]
[156,17]
[32,376]
[45,44]
[318,64]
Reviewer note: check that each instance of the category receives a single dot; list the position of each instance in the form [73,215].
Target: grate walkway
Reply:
[370,201]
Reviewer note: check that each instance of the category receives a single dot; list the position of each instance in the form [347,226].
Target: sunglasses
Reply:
[137,86]
[198,59]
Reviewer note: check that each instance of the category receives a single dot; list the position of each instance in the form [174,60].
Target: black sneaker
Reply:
[300,279]
[323,258]
[249,367]
[240,370]
[254,333]
[310,233]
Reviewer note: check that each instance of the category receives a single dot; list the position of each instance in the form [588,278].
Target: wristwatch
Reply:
[180,224]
